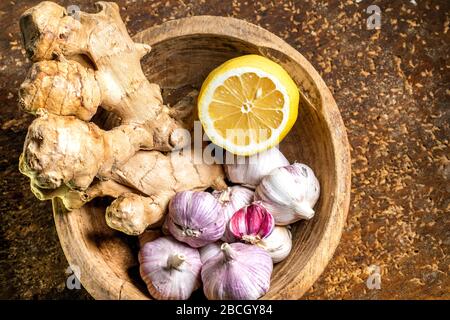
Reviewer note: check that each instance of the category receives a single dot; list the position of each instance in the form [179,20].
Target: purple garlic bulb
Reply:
[195,218]
[251,223]
[239,272]
[170,269]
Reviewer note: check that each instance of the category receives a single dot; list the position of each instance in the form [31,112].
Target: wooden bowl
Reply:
[184,52]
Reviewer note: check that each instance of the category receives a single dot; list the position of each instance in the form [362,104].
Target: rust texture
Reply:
[392,86]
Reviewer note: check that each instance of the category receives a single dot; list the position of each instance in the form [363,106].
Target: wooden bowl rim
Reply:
[94,279]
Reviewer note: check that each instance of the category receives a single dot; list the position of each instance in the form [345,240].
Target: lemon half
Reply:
[248,104]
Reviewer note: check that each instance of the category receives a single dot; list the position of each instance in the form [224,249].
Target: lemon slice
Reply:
[248,104]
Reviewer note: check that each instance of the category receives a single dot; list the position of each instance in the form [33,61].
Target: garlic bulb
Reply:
[232,199]
[170,269]
[239,272]
[278,244]
[251,223]
[289,193]
[209,251]
[195,218]
[255,167]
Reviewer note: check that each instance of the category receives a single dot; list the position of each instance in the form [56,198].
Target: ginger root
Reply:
[143,185]
[68,151]
[81,64]
[91,61]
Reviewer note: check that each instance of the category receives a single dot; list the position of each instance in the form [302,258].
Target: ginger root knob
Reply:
[132,214]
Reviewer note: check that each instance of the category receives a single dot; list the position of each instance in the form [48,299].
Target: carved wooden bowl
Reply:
[184,52]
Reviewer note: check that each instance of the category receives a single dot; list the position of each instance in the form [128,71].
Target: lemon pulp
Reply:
[248,104]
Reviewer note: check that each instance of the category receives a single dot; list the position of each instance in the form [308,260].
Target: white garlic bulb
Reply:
[278,244]
[289,193]
[232,199]
[255,167]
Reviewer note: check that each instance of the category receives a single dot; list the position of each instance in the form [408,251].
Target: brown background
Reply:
[393,90]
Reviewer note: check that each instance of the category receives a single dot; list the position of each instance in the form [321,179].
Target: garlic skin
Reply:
[251,223]
[289,193]
[209,251]
[232,199]
[239,272]
[170,269]
[278,244]
[255,167]
[195,218]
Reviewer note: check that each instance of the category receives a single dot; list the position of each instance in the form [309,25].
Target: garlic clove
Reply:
[170,269]
[239,272]
[249,171]
[195,218]
[278,244]
[289,193]
[251,223]
[232,199]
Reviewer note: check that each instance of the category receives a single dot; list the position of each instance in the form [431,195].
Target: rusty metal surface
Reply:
[393,89]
